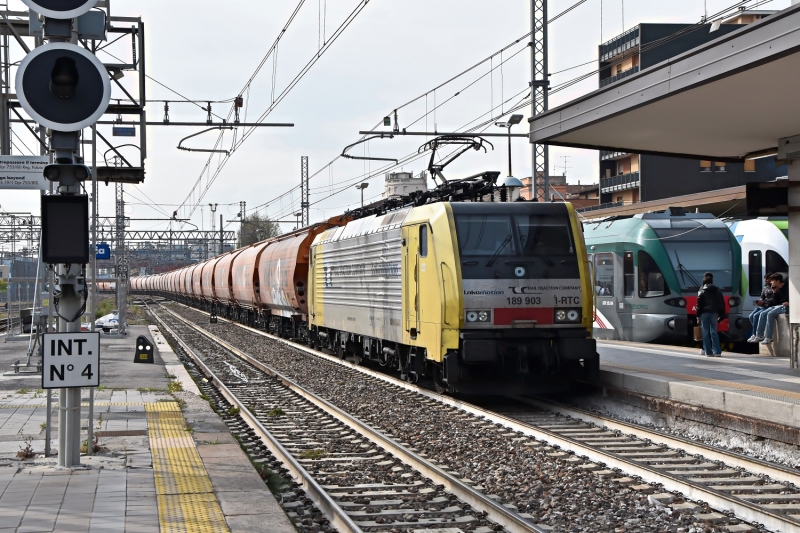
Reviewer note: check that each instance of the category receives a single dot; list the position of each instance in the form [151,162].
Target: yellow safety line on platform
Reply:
[710,381]
[186,499]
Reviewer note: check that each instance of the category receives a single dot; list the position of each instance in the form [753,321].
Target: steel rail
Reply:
[744,510]
[495,511]
[737,460]
[324,502]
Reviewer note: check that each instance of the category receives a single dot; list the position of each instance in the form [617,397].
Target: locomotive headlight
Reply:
[733,301]
[483,316]
[519,271]
[567,315]
[561,315]
[572,315]
[472,316]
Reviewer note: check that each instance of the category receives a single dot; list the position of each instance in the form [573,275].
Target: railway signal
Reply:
[65,89]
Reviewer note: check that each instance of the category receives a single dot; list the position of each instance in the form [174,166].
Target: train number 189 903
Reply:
[528,300]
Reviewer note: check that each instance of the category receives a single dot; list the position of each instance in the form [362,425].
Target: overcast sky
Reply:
[394,51]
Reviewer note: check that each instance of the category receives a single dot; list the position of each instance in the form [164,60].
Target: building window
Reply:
[619,198]
[719,166]
[750,165]
[705,166]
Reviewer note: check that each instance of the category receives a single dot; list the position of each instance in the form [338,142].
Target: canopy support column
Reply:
[789,153]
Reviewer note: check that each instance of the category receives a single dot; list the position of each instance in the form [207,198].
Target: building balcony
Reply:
[610,155]
[619,183]
[607,205]
[623,74]
[620,44]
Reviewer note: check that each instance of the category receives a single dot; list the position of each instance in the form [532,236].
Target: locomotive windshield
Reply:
[693,252]
[491,243]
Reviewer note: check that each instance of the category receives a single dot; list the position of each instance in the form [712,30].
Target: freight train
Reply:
[480,296]
[649,268]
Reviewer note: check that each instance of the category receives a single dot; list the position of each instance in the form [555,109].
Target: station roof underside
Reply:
[727,100]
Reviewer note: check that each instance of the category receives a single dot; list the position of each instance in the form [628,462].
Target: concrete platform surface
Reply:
[755,386]
[166,461]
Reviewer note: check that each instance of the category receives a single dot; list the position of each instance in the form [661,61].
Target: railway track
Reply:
[717,488]
[361,479]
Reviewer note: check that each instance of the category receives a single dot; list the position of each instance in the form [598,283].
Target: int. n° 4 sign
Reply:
[71,360]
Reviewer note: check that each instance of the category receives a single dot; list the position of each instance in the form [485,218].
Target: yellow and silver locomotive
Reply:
[481,296]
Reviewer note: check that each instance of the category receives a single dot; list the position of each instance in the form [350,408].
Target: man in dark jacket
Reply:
[762,304]
[710,310]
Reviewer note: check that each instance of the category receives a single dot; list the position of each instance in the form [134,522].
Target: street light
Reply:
[510,182]
[361,187]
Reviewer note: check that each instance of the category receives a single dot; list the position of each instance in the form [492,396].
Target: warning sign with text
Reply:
[23,172]
[71,360]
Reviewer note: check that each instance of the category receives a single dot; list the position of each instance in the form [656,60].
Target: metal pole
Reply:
[539,89]
[509,151]
[362,196]
[94,294]
[221,242]
[48,420]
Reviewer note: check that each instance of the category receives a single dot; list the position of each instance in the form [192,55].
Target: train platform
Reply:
[163,460]
[753,389]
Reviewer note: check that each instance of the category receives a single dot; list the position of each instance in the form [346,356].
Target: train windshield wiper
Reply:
[683,270]
[497,252]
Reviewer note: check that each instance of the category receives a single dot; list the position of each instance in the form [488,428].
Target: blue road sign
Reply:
[103,251]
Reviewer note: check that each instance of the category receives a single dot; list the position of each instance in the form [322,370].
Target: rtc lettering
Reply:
[567,300]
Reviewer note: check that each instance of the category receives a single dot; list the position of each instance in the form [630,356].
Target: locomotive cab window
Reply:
[423,240]
[604,274]
[627,271]
[754,277]
[651,280]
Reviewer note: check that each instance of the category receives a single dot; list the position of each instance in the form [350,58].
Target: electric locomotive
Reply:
[483,297]
[648,269]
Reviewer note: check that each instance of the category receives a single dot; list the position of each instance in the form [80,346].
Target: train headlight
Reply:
[479,316]
[676,302]
[519,271]
[733,301]
[567,315]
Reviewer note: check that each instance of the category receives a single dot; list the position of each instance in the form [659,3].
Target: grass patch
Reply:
[43,425]
[23,390]
[174,386]
[233,411]
[104,307]
[101,387]
[211,442]
[314,454]
[277,412]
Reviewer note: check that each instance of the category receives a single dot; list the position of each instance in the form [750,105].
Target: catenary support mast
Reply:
[540,153]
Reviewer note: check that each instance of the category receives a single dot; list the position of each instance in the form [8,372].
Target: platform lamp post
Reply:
[510,182]
[361,187]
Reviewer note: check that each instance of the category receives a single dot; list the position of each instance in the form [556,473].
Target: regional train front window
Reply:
[695,252]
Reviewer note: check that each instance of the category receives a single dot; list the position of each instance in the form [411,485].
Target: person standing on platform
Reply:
[780,306]
[764,303]
[710,309]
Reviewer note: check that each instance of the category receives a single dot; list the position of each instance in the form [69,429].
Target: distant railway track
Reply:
[738,487]
[333,453]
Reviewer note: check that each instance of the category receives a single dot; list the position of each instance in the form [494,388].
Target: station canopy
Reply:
[729,99]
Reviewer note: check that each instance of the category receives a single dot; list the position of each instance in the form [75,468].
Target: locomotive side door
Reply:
[411,296]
